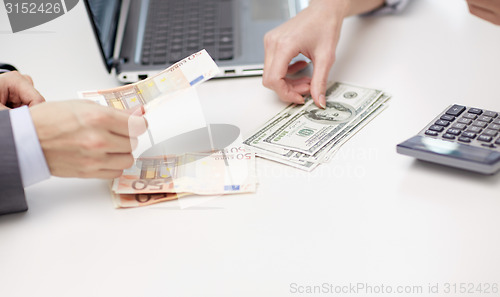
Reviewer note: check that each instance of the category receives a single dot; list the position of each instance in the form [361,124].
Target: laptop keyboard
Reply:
[177,28]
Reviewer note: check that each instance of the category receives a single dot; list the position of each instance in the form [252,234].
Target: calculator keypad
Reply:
[467,125]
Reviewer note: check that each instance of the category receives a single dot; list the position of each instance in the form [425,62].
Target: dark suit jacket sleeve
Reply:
[12,197]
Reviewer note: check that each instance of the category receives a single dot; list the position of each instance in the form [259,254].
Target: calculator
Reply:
[460,136]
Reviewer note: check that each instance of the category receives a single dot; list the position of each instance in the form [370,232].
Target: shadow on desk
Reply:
[457,173]
[430,181]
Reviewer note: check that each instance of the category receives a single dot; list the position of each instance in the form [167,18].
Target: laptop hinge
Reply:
[114,62]
[120,31]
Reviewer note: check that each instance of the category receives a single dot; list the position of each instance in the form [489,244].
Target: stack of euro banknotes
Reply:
[302,136]
[165,177]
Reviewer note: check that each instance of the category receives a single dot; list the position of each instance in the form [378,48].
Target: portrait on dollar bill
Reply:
[334,113]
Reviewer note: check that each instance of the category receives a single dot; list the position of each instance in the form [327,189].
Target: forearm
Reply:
[363,6]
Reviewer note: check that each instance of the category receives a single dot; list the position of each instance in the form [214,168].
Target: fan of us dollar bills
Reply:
[304,136]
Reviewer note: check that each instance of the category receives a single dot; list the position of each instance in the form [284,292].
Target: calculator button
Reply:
[490,132]
[498,141]
[453,131]
[490,114]
[431,133]
[484,138]
[464,139]
[497,121]
[442,123]
[479,124]
[468,134]
[494,127]
[459,126]
[470,116]
[474,129]
[448,136]
[490,145]
[485,119]
[464,121]
[436,128]
[447,117]
[476,110]
[455,110]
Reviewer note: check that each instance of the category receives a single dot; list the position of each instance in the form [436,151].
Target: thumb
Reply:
[322,65]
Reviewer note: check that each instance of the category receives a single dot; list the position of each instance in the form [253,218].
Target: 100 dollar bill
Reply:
[311,127]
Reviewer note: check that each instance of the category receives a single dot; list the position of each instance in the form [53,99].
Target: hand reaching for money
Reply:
[84,139]
[488,10]
[17,90]
[314,32]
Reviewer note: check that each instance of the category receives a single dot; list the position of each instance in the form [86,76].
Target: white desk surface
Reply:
[369,216]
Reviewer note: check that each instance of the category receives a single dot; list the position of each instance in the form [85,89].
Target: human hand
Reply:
[314,32]
[82,139]
[488,10]
[17,90]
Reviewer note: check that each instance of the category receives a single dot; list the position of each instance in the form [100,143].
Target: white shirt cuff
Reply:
[29,152]
[390,6]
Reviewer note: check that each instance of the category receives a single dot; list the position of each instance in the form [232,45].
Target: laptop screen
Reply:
[104,15]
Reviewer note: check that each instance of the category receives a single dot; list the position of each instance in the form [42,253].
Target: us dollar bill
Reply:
[308,130]
[334,144]
[372,102]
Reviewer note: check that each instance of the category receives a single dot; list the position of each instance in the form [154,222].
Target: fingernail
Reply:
[322,101]
[138,111]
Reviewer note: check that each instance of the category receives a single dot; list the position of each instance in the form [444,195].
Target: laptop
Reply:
[140,38]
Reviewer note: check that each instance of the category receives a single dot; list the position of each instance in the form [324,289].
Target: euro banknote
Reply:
[186,73]
[137,200]
[228,171]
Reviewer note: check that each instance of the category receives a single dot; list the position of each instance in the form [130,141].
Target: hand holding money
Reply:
[83,139]
[18,90]
[166,177]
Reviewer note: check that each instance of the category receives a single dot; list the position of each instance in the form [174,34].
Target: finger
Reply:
[485,4]
[118,122]
[287,94]
[3,107]
[101,174]
[269,49]
[29,79]
[277,75]
[296,81]
[134,142]
[322,64]
[302,89]
[301,85]
[484,14]
[137,110]
[21,90]
[297,66]
[117,162]
[113,143]
[119,144]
